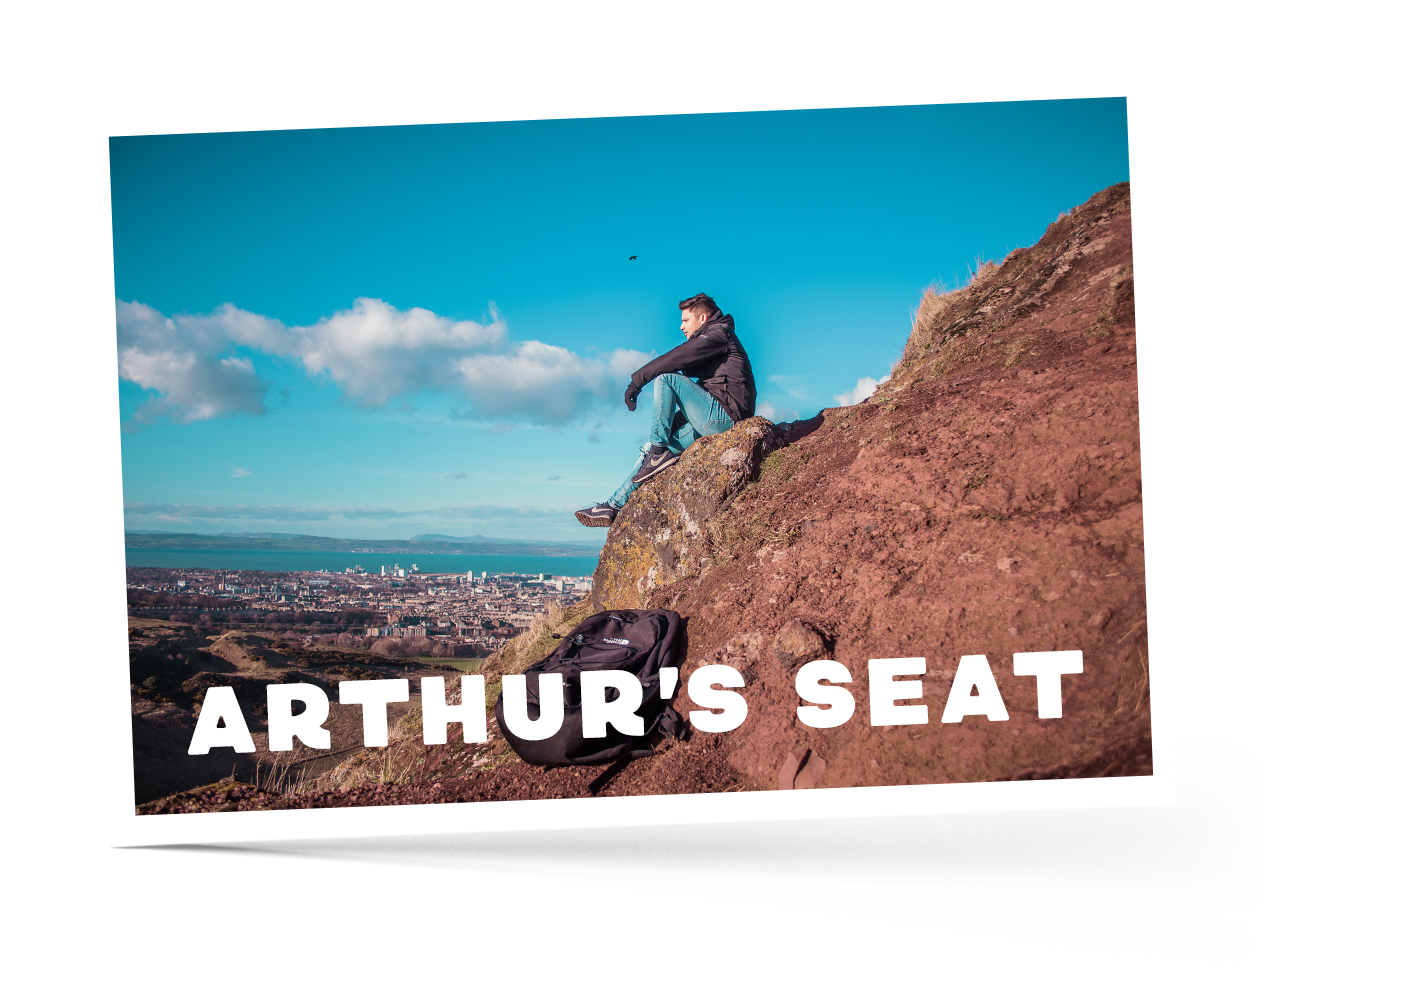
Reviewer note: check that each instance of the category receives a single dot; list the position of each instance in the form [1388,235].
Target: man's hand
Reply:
[632,392]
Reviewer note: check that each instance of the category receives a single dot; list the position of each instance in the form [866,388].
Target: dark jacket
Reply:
[716,360]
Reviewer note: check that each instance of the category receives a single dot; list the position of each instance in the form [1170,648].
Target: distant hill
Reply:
[422,543]
[279,535]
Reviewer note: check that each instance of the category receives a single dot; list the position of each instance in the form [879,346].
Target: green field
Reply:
[465,665]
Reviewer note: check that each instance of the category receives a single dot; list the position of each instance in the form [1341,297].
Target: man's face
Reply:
[691,321]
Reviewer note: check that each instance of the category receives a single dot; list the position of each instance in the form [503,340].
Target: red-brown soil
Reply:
[985,501]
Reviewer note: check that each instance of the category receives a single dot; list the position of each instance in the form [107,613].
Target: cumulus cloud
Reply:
[545,383]
[183,364]
[375,352]
[864,387]
[199,368]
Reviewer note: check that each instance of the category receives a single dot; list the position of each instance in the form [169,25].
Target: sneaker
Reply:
[656,460]
[598,516]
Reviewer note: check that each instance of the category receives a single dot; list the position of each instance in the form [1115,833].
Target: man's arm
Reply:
[698,349]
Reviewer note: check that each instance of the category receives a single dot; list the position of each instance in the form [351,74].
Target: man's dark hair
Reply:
[700,302]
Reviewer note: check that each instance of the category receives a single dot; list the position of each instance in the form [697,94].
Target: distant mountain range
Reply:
[475,544]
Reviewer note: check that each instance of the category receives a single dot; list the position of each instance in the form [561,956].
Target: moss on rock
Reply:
[660,535]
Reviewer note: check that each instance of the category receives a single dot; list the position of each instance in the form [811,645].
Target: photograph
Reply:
[544,467]
[631,456]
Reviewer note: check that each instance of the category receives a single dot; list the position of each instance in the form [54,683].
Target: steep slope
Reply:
[984,501]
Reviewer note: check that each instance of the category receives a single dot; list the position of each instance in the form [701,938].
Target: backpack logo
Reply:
[584,655]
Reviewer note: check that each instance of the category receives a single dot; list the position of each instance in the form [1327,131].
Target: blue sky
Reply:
[377,332]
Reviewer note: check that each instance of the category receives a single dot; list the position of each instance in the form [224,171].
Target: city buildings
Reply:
[458,609]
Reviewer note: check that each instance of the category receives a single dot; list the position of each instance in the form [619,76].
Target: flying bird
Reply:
[632,259]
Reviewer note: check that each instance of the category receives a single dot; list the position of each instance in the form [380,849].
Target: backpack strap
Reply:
[669,722]
[609,773]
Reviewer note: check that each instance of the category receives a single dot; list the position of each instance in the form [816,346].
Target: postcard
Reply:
[626,470]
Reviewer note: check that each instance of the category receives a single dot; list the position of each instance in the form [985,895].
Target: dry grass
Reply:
[981,272]
[545,623]
[279,777]
[399,762]
[732,536]
[721,537]
[929,315]
[939,310]
[1014,350]
[407,759]
[538,641]
[783,466]
[1131,700]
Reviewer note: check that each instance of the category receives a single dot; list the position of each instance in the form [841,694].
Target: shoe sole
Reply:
[638,480]
[593,522]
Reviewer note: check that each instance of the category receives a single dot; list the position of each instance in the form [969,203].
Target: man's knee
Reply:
[670,381]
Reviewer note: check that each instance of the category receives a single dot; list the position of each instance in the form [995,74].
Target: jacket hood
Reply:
[715,359]
[719,320]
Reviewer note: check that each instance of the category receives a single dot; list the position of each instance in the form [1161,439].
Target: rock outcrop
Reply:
[669,528]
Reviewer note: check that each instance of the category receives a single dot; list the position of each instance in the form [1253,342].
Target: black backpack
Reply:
[641,642]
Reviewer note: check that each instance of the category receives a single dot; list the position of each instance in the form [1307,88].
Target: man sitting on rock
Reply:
[703,387]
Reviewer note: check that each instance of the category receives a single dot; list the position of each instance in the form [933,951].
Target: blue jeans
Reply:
[704,416]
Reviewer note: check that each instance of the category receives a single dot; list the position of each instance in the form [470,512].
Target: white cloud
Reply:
[182,364]
[372,351]
[375,352]
[864,387]
[776,414]
[539,382]
[239,471]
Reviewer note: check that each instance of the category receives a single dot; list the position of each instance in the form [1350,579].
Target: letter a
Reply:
[220,702]
[973,672]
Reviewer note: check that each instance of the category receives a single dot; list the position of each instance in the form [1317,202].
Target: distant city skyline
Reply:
[376,332]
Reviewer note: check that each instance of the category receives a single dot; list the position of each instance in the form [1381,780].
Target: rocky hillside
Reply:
[985,501]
